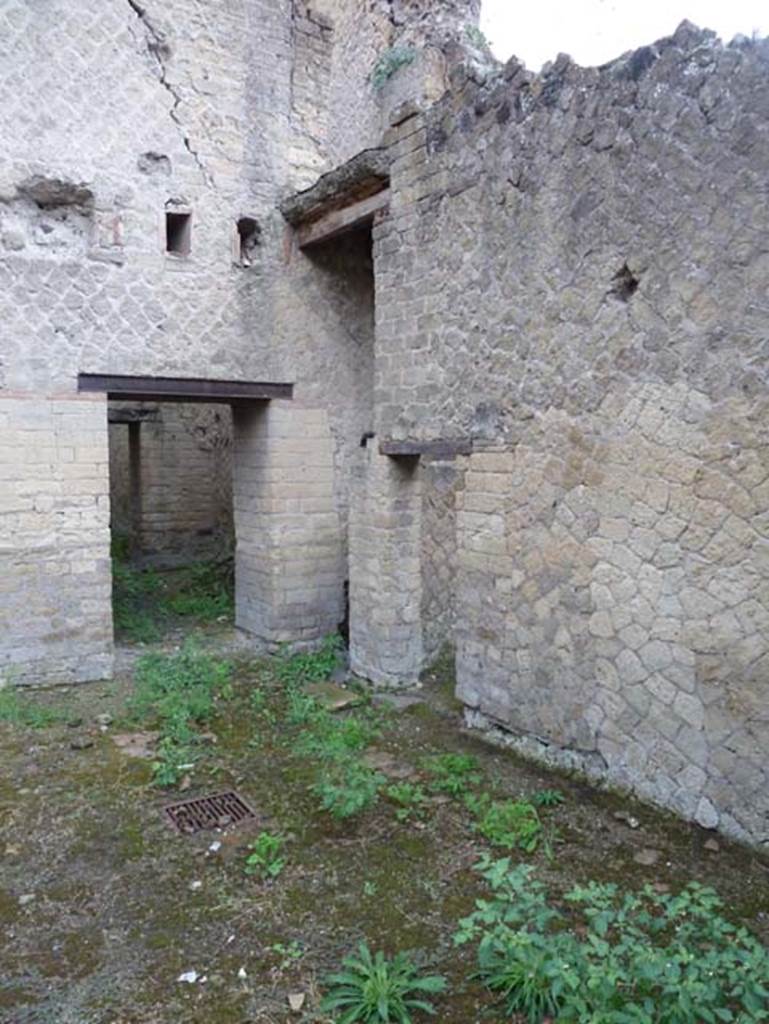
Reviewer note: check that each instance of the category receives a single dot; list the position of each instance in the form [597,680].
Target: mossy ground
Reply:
[115,919]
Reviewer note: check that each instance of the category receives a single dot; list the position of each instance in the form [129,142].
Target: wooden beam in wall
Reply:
[181,389]
[118,414]
[338,222]
[447,449]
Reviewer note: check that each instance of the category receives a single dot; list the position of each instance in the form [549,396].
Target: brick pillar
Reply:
[385,570]
[55,584]
[289,572]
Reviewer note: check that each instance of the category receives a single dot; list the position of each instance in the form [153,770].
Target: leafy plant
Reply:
[372,989]
[174,758]
[178,692]
[266,856]
[389,62]
[618,958]
[289,953]
[331,738]
[476,37]
[547,798]
[511,824]
[410,798]
[22,711]
[295,670]
[302,708]
[453,773]
[258,700]
[348,787]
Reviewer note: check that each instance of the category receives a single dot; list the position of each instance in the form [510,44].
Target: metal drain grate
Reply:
[219,811]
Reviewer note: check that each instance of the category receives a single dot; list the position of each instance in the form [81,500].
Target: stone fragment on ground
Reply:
[383,762]
[627,818]
[646,857]
[296,1001]
[81,743]
[136,744]
[398,701]
[333,697]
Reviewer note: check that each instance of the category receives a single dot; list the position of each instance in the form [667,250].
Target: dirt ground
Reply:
[103,906]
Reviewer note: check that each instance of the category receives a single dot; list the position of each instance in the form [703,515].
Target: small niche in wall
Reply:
[178,233]
[246,241]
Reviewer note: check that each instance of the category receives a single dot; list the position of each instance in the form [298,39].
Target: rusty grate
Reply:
[207,812]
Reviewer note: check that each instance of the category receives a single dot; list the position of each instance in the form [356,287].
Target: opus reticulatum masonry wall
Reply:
[566,287]
[574,276]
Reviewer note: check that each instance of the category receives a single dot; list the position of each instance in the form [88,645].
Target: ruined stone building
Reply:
[494,344]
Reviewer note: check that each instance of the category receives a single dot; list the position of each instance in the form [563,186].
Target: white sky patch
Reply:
[596,31]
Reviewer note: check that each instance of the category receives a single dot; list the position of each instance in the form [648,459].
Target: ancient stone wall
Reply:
[442,482]
[55,614]
[368,42]
[574,276]
[144,109]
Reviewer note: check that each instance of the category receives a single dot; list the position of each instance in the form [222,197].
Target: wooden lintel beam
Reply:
[337,222]
[115,414]
[181,389]
[446,449]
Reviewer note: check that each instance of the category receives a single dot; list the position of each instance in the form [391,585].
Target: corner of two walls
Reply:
[612,597]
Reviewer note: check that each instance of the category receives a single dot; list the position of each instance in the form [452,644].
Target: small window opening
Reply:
[179,233]
[248,241]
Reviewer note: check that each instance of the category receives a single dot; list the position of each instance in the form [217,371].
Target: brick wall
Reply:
[573,276]
[289,558]
[55,620]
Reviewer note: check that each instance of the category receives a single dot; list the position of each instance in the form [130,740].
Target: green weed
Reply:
[331,738]
[410,798]
[20,710]
[347,787]
[206,595]
[547,798]
[512,824]
[372,989]
[452,773]
[389,62]
[294,670]
[476,37]
[144,603]
[266,856]
[344,785]
[177,692]
[132,590]
[290,953]
[618,957]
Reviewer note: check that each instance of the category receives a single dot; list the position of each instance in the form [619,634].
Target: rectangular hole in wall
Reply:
[248,241]
[178,233]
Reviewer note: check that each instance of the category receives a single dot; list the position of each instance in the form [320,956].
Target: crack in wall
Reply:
[160,50]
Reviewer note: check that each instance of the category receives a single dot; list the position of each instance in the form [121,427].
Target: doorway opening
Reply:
[343,281]
[171,478]
[171,517]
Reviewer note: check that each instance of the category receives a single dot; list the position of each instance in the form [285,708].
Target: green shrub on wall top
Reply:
[391,61]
